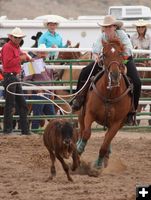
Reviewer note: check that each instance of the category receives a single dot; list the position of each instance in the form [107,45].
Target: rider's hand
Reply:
[96,57]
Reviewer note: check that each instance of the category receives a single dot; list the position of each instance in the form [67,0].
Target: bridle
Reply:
[111,75]
[110,85]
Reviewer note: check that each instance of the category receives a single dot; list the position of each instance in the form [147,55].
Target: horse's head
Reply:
[70,55]
[113,61]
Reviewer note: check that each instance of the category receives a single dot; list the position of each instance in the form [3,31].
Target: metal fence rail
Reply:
[140,116]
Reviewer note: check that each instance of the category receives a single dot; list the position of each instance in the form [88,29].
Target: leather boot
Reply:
[131,119]
[78,102]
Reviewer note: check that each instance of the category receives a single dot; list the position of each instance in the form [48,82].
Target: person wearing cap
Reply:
[51,38]
[141,39]
[45,75]
[111,29]
[12,57]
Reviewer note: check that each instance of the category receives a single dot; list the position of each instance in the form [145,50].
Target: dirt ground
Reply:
[24,168]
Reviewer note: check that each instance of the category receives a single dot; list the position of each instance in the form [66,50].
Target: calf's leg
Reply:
[52,168]
[76,159]
[65,166]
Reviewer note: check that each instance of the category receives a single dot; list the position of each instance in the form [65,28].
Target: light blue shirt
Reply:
[50,39]
[97,46]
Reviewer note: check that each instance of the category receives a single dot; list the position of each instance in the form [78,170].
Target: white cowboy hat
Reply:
[17,32]
[51,20]
[110,20]
[141,22]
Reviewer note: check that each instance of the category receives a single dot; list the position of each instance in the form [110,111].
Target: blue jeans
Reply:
[41,109]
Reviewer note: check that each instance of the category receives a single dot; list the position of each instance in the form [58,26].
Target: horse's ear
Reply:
[77,45]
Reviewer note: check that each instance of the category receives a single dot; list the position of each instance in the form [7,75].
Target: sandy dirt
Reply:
[24,168]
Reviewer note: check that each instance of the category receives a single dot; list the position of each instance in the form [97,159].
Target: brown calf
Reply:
[60,139]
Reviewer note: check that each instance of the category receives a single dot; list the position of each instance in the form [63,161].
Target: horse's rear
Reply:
[108,101]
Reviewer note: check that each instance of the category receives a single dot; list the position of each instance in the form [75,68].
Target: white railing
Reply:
[75,50]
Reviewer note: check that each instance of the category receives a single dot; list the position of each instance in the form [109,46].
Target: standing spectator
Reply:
[12,57]
[51,38]
[46,75]
[141,39]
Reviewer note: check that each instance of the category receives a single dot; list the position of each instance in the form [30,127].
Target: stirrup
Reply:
[131,119]
[76,104]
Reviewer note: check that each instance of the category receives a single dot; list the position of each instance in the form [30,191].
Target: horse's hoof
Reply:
[106,162]
[94,170]
[49,179]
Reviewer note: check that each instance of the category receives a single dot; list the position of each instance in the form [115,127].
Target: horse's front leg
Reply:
[105,148]
[107,156]
[81,123]
[86,133]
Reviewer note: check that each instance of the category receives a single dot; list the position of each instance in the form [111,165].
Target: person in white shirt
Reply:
[111,29]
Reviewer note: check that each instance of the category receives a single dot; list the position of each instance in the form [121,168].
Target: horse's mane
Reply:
[116,42]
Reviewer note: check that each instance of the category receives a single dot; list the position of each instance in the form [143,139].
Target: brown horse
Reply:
[70,55]
[144,75]
[108,101]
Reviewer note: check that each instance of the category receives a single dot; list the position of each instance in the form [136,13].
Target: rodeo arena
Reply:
[85,155]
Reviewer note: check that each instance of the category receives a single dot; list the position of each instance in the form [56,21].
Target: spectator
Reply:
[12,57]
[46,75]
[141,39]
[51,38]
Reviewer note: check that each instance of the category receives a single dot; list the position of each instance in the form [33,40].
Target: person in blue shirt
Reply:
[111,28]
[51,38]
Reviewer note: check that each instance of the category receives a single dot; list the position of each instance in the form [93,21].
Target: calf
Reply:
[60,139]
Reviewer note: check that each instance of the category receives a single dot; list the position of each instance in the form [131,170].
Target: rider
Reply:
[111,28]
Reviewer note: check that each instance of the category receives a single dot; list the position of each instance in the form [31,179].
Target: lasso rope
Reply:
[47,92]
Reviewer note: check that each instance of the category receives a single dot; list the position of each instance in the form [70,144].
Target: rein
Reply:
[111,100]
[110,86]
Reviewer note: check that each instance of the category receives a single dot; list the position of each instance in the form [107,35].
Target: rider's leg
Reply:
[133,74]
[80,97]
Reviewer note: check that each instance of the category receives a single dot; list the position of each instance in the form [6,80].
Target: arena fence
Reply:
[143,116]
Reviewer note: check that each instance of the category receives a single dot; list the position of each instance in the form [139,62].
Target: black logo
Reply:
[143,192]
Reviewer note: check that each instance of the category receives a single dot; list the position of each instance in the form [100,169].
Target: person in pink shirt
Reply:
[12,57]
